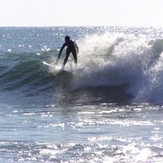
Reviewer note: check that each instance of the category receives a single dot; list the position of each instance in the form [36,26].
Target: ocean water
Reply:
[107,109]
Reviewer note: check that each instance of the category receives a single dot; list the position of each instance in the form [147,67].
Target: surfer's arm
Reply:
[60,51]
[77,48]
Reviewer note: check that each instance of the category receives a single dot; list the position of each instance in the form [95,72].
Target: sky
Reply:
[81,12]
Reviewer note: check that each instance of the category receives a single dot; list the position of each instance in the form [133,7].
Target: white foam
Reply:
[114,59]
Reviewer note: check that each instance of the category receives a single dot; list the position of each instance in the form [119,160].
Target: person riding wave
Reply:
[71,48]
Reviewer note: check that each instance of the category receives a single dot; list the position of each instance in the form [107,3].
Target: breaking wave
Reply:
[111,66]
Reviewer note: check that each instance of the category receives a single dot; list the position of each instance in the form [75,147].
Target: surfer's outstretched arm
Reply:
[61,51]
[77,48]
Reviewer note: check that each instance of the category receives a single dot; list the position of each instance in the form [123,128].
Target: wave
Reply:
[115,60]
[22,70]
[111,66]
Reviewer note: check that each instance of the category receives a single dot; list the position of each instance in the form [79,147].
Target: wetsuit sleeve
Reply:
[61,50]
[77,48]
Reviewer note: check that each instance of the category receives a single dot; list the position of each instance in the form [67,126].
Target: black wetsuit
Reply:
[71,48]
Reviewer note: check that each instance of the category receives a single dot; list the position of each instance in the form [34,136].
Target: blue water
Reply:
[107,109]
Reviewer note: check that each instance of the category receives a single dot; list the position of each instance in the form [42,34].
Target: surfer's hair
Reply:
[67,37]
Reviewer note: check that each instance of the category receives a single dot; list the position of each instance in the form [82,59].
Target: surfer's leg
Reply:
[66,58]
[75,57]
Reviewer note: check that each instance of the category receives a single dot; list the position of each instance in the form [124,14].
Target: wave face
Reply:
[115,65]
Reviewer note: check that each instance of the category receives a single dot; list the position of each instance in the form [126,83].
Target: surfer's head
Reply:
[67,38]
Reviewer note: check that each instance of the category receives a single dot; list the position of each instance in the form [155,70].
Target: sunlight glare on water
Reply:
[91,133]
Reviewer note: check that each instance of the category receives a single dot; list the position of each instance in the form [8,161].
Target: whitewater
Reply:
[107,109]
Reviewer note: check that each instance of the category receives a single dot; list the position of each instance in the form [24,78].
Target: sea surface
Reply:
[108,109]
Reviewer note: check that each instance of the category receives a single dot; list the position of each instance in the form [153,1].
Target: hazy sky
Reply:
[81,12]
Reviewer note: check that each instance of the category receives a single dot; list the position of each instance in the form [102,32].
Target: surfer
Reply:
[71,48]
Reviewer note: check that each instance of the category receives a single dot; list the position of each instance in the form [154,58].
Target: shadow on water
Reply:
[94,96]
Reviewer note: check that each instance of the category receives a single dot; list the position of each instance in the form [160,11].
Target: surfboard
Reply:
[45,63]
[58,72]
